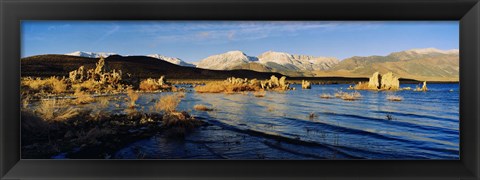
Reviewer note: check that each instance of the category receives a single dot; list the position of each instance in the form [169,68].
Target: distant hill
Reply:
[172,60]
[269,61]
[138,66]
[427,64]
[421,64]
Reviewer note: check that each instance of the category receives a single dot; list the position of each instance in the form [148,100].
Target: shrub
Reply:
[179,119]
[168,103]
[58,86]
[154,85]
[55,110]
[51,85]
[89,85]
[82,97]
[132,97]
[211,87]
[148,85]
[99,112]
[362,86]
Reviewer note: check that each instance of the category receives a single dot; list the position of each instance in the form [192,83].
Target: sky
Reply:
[192,41]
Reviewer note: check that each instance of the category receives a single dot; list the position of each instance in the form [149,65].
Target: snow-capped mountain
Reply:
[288,62]
[226,60]
[432,50]
[278,61]
[172,60]
[90,54]
[422,53]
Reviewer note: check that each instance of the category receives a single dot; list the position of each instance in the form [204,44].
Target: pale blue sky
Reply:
[195,40]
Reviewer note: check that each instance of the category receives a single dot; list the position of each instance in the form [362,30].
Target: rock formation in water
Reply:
[101,74]
[424,87]
[375,81]
[389,82]
[380,82]
[269,84]
[306,85]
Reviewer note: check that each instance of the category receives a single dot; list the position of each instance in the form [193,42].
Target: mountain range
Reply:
[428,64]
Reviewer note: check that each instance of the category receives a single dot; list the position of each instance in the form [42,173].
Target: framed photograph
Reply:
[228,89]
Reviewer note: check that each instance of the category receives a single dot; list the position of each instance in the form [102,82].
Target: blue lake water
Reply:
[424,125]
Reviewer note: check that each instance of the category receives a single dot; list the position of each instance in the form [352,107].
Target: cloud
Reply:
[218,32]
[113,30]
[58,27]
[203,34]
[231,35]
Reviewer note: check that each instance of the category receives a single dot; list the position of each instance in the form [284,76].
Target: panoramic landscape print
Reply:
[294,90]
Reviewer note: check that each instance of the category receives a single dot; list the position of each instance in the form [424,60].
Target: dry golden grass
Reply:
[55,110]
[32,83]
[149,85]
[179,119]
[132,97]
[326,96]
[89,85]
[351,96]
[225,87]
[361,86]
[211,87]
[201,107]
[168,103]
[103,102]
[58,86]
[259,93]
[52,84]
[26,102]
[83,97]
[394,98]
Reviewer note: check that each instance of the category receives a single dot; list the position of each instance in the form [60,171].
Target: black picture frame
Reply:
[14,11]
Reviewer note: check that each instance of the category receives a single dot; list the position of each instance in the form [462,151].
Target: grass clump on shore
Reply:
[132,97]
[83,97]
[55,110]
[181,121]
[155,85]
[168,103]
[48,85]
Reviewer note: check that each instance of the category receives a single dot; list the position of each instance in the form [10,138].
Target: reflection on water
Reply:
[301,125]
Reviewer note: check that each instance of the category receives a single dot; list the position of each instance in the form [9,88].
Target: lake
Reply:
[299,124]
